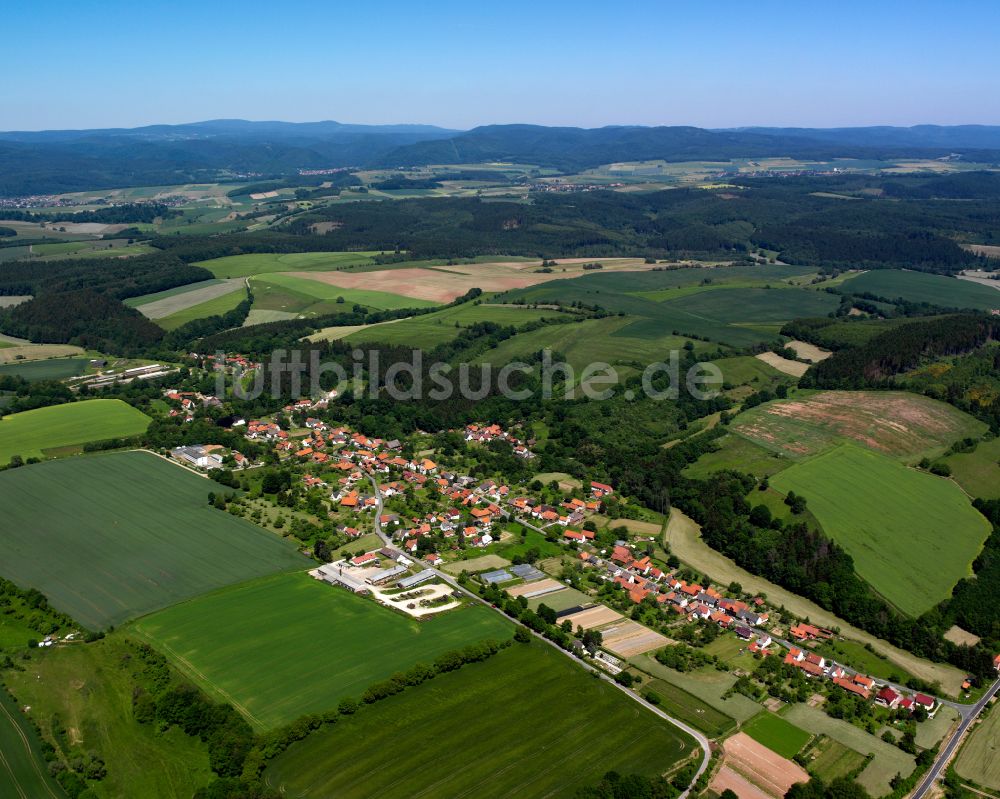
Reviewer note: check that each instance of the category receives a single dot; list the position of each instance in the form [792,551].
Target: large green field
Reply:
[281,292]
[776,734]
[431,329]
[592,341]
[87,691]
[912,535]
[948,292]
[463,734]
[735,316]
[257,263]
[756,305]
[110,537]
[287,645]
[50,369]
[23,771]
[31,433]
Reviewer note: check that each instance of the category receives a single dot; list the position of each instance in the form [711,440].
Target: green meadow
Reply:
[912,535]
[110,537]
[288,645]
[31,433]
[81,696]
[23,771]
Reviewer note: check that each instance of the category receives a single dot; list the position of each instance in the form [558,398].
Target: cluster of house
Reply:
[227,363]
[572,511]
[858,684]
[189,402]
[483,434]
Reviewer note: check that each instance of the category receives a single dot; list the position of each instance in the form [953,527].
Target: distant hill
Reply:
[580,148]
[45,162]
[73,160]
[956,137]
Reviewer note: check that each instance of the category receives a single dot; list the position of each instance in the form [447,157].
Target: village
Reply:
[444,523]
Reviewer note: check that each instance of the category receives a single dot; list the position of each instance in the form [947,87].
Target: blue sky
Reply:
[460,64]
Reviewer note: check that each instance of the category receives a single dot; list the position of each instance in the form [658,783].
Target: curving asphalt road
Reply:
[970,715]
[701,740]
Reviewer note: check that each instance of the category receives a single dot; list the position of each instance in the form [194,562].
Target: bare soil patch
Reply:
[738,784]
[630,638]
[476,564]
[793,368]
[593,617]
[547,586]
[958,636]
[768,771]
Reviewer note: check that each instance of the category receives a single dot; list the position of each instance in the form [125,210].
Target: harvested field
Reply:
[729,778]
[593,617]
[537,588]
[957,635]
[37,352]
[895,423]
[630,638]
[261,316]
[989,250]
[809,352]
[789,367]
[566,482]
[769,771]
[444,284]
[196,294]
[423,284]
[12,300]
[476,564]
[636,526]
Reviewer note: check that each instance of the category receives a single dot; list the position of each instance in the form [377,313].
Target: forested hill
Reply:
[579,148]
[43,162]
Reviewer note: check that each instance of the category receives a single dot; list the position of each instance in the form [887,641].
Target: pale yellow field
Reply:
[793,368]
[37,352]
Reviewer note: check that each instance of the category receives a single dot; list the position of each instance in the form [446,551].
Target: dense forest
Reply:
[112,215]
[779,215]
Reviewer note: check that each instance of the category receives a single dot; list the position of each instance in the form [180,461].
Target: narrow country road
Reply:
[701,740]
[970,715]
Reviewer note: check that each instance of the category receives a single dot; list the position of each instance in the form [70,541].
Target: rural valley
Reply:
[404,461]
